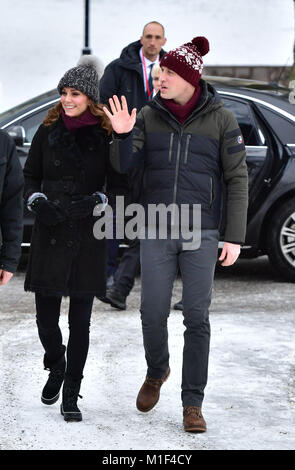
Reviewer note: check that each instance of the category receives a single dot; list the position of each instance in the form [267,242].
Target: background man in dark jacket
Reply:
[11,208]
[130,75]
[189,143]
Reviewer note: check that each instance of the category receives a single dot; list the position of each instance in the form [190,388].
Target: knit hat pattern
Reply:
[186,60]
[84,77]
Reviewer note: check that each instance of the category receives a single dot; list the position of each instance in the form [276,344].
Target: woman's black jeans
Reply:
[47,318]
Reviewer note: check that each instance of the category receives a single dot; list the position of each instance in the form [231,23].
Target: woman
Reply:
[65,175]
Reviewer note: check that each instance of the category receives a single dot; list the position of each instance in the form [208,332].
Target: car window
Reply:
[32,123]
[284,128]
[23,107]
[252,133]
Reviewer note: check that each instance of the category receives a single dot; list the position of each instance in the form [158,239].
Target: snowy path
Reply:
[250,397]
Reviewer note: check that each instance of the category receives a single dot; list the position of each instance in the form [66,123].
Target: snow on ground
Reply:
[41,39]
[250,397]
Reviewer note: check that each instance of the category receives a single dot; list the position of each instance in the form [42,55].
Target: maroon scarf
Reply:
[74,123]
[181,112]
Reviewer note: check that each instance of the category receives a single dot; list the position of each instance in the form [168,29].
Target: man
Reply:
[11,208]
[130,75]
[189,143]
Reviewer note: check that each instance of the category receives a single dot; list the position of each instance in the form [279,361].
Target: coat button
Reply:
[52,241]
[57,162]
[70,243]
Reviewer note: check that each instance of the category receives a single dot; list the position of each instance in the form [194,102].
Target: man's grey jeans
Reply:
[160,260]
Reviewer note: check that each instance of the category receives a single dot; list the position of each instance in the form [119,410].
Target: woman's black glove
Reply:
[47,212]
[82,206]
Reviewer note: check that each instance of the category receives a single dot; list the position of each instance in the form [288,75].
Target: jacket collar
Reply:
[209,101]
[60,136]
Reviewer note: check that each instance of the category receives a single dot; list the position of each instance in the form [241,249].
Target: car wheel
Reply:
[281,240]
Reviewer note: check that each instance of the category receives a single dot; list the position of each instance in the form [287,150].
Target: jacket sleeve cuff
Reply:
[121,136]
[101,203]
[11,268]
[234,242]
[32,198]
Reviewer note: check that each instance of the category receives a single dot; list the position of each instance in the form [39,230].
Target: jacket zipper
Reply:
[178,150]
[170,147]
[176,173]
[186,148]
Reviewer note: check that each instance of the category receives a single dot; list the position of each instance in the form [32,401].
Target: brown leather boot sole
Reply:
[193,420]
[195,429]
[149,394]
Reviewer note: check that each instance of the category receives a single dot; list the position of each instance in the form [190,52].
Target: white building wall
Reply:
[41,39]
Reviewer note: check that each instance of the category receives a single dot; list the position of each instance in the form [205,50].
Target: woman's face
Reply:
[73,101]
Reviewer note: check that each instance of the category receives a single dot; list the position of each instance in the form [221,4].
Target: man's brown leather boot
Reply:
[193,420]
[149,393]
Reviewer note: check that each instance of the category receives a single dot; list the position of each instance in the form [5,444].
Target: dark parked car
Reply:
[267,120]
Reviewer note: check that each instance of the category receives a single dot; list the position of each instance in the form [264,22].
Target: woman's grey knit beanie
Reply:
[84,77]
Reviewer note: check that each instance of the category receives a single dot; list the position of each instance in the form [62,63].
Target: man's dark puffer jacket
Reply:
[186,164]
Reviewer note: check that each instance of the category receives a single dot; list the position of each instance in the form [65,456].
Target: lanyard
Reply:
[149,92]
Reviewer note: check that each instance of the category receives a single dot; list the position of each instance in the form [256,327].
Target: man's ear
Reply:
[141,40]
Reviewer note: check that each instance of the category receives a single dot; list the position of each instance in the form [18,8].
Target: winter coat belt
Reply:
[63,186]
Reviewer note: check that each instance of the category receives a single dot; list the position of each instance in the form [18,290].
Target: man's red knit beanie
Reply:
[186,60]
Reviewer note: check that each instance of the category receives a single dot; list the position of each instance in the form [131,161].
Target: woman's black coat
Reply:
[66,259]
[11,204]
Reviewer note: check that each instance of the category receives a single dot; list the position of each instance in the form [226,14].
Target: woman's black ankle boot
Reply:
[70,394]
[50,392]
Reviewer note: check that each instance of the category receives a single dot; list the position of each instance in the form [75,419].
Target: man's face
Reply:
[152,41]
[174,87]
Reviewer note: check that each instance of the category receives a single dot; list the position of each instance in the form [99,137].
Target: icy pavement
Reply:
[250,397]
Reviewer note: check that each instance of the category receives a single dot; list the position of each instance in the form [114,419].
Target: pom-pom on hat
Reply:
[186,60]
[84,77]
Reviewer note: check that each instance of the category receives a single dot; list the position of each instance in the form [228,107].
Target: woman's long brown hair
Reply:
[95,109]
